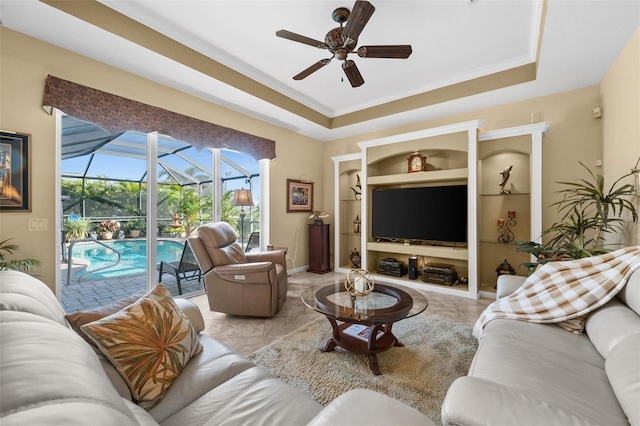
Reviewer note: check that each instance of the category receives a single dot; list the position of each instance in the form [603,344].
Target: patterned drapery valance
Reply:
[116,114]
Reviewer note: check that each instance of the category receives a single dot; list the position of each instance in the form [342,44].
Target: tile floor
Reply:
[246,335]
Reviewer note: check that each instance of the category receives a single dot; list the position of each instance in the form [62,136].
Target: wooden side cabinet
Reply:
[319,249]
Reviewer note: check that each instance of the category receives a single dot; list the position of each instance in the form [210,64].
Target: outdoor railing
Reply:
[69,258]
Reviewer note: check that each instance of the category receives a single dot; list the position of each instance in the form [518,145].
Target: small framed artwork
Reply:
[299,196]
[15,164]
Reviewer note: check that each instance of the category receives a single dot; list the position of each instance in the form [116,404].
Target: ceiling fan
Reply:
[340,42]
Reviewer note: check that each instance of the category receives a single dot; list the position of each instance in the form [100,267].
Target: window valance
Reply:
[116,114]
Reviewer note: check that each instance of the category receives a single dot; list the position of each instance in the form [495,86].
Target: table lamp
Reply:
[242,198]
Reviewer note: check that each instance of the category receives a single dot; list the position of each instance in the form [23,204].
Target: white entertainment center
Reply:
[456,154]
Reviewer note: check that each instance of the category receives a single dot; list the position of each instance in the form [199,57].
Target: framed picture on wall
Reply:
[299,196]
[15,164]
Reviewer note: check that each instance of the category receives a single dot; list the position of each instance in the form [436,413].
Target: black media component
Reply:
[413,268]
[439,273]
[391,266]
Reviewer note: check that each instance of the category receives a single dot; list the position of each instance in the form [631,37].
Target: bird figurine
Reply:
[506,173]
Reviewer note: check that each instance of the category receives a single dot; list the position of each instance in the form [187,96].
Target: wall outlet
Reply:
[38,224]
[597,112]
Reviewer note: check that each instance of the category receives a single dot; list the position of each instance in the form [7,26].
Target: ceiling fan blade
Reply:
[358,18]
[353,74]
[313,68]
[401,51]
[301,39]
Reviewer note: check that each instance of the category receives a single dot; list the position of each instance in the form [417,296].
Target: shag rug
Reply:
[436,352]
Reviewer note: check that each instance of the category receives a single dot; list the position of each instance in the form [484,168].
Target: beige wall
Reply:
[620,89]
[24,64]
[574,136]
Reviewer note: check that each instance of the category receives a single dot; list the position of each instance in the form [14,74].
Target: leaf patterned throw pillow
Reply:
[149,343]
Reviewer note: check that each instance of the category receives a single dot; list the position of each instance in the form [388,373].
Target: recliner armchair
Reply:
[239,283]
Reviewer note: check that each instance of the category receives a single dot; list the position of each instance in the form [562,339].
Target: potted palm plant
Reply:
[23,265]
[189,208]
[591,210]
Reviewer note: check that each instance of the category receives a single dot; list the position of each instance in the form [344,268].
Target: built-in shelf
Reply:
[498,243]
[506,195]
[451,153]
[453,290]
[420,177]
[347,172]
[420,250]
[456,153]
[520,147]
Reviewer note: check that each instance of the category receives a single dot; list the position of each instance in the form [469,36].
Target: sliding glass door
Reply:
[129,201]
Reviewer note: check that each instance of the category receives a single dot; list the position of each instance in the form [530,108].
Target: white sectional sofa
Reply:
[539,374]
[49,375]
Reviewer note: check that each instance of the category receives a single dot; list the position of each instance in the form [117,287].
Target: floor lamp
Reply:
[242,198]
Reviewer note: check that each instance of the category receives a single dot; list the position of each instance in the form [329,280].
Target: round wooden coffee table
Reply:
[363,324]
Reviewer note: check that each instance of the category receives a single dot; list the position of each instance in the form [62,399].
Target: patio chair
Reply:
[237,283]
[185,269]
[254,241]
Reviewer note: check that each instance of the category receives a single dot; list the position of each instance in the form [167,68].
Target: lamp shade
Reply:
[242,197]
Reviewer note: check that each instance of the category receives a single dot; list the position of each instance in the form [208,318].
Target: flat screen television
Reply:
[435,214]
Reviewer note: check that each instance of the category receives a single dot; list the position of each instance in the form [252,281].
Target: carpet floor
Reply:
[436,352]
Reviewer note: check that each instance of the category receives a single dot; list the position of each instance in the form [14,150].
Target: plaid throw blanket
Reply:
[561,291]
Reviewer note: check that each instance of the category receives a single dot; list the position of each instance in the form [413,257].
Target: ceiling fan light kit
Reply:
[341,41]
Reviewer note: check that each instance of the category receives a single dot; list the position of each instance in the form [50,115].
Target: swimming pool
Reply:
[133,260]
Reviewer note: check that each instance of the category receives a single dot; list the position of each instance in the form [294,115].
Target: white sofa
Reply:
[49,375]
[539,374]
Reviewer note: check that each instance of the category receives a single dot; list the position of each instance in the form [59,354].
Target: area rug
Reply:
[436,352]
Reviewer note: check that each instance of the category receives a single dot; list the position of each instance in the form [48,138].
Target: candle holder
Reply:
[356,225]
[504,227]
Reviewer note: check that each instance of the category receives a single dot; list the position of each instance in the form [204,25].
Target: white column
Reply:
[152,209]
[265,235]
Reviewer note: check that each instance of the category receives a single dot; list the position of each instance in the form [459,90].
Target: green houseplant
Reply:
[23,265]
[76,229]
[106,228]
[134,227]
[590,210]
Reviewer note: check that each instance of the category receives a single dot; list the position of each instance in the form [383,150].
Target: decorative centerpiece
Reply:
[359,282]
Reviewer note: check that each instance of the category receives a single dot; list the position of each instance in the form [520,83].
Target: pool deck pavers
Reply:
[90,294]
